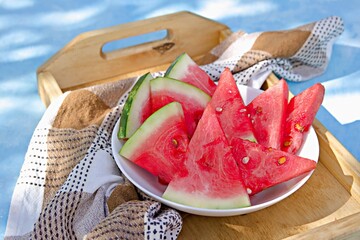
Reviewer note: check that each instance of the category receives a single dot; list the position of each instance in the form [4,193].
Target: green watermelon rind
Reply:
[138,94]
[177,67]
[179,87]
[151,125]
[201,201]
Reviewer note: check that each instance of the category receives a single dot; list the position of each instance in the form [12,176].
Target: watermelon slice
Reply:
[159,145]
[262,167]
[186,70]
[213,180]
[268,112]
[300,115]
[192,99]
[137,107]
[259,166]
[231,110]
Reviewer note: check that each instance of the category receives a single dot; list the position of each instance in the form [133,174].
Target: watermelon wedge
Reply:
[262,167]
[268,112]
[231,110]
[213,180]
[192,99]
[301,113]
[159,145]
[137,107]
[186,70]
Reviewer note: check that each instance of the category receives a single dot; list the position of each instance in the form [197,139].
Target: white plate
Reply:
[149,184]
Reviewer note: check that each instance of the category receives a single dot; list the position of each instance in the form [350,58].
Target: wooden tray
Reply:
[326,207]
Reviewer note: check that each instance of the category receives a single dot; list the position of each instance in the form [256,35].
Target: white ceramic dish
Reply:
[149,184]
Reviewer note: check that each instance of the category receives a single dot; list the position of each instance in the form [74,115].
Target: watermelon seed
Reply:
[245,160]
[287,143]
[174,142]
[258,109]
[282,160]
[218,109]
[242,110]
[229,91]
[299,127]
[248,190]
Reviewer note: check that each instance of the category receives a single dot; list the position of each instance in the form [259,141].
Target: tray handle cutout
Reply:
[158,40]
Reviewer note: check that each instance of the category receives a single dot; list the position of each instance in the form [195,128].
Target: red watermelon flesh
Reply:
[186,70]
[192,99]
[231,110]
[268,112]
[301,113]
[213,180]
[159,145]
[262,167]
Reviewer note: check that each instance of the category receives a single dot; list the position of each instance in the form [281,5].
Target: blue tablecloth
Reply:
[32,31]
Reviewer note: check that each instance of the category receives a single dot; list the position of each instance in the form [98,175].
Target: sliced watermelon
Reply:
[262,167]
[300,115]
[159,145]
[137,107]
[231,110]
[213,180]
[186,70]
[268,112]
[192,99]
